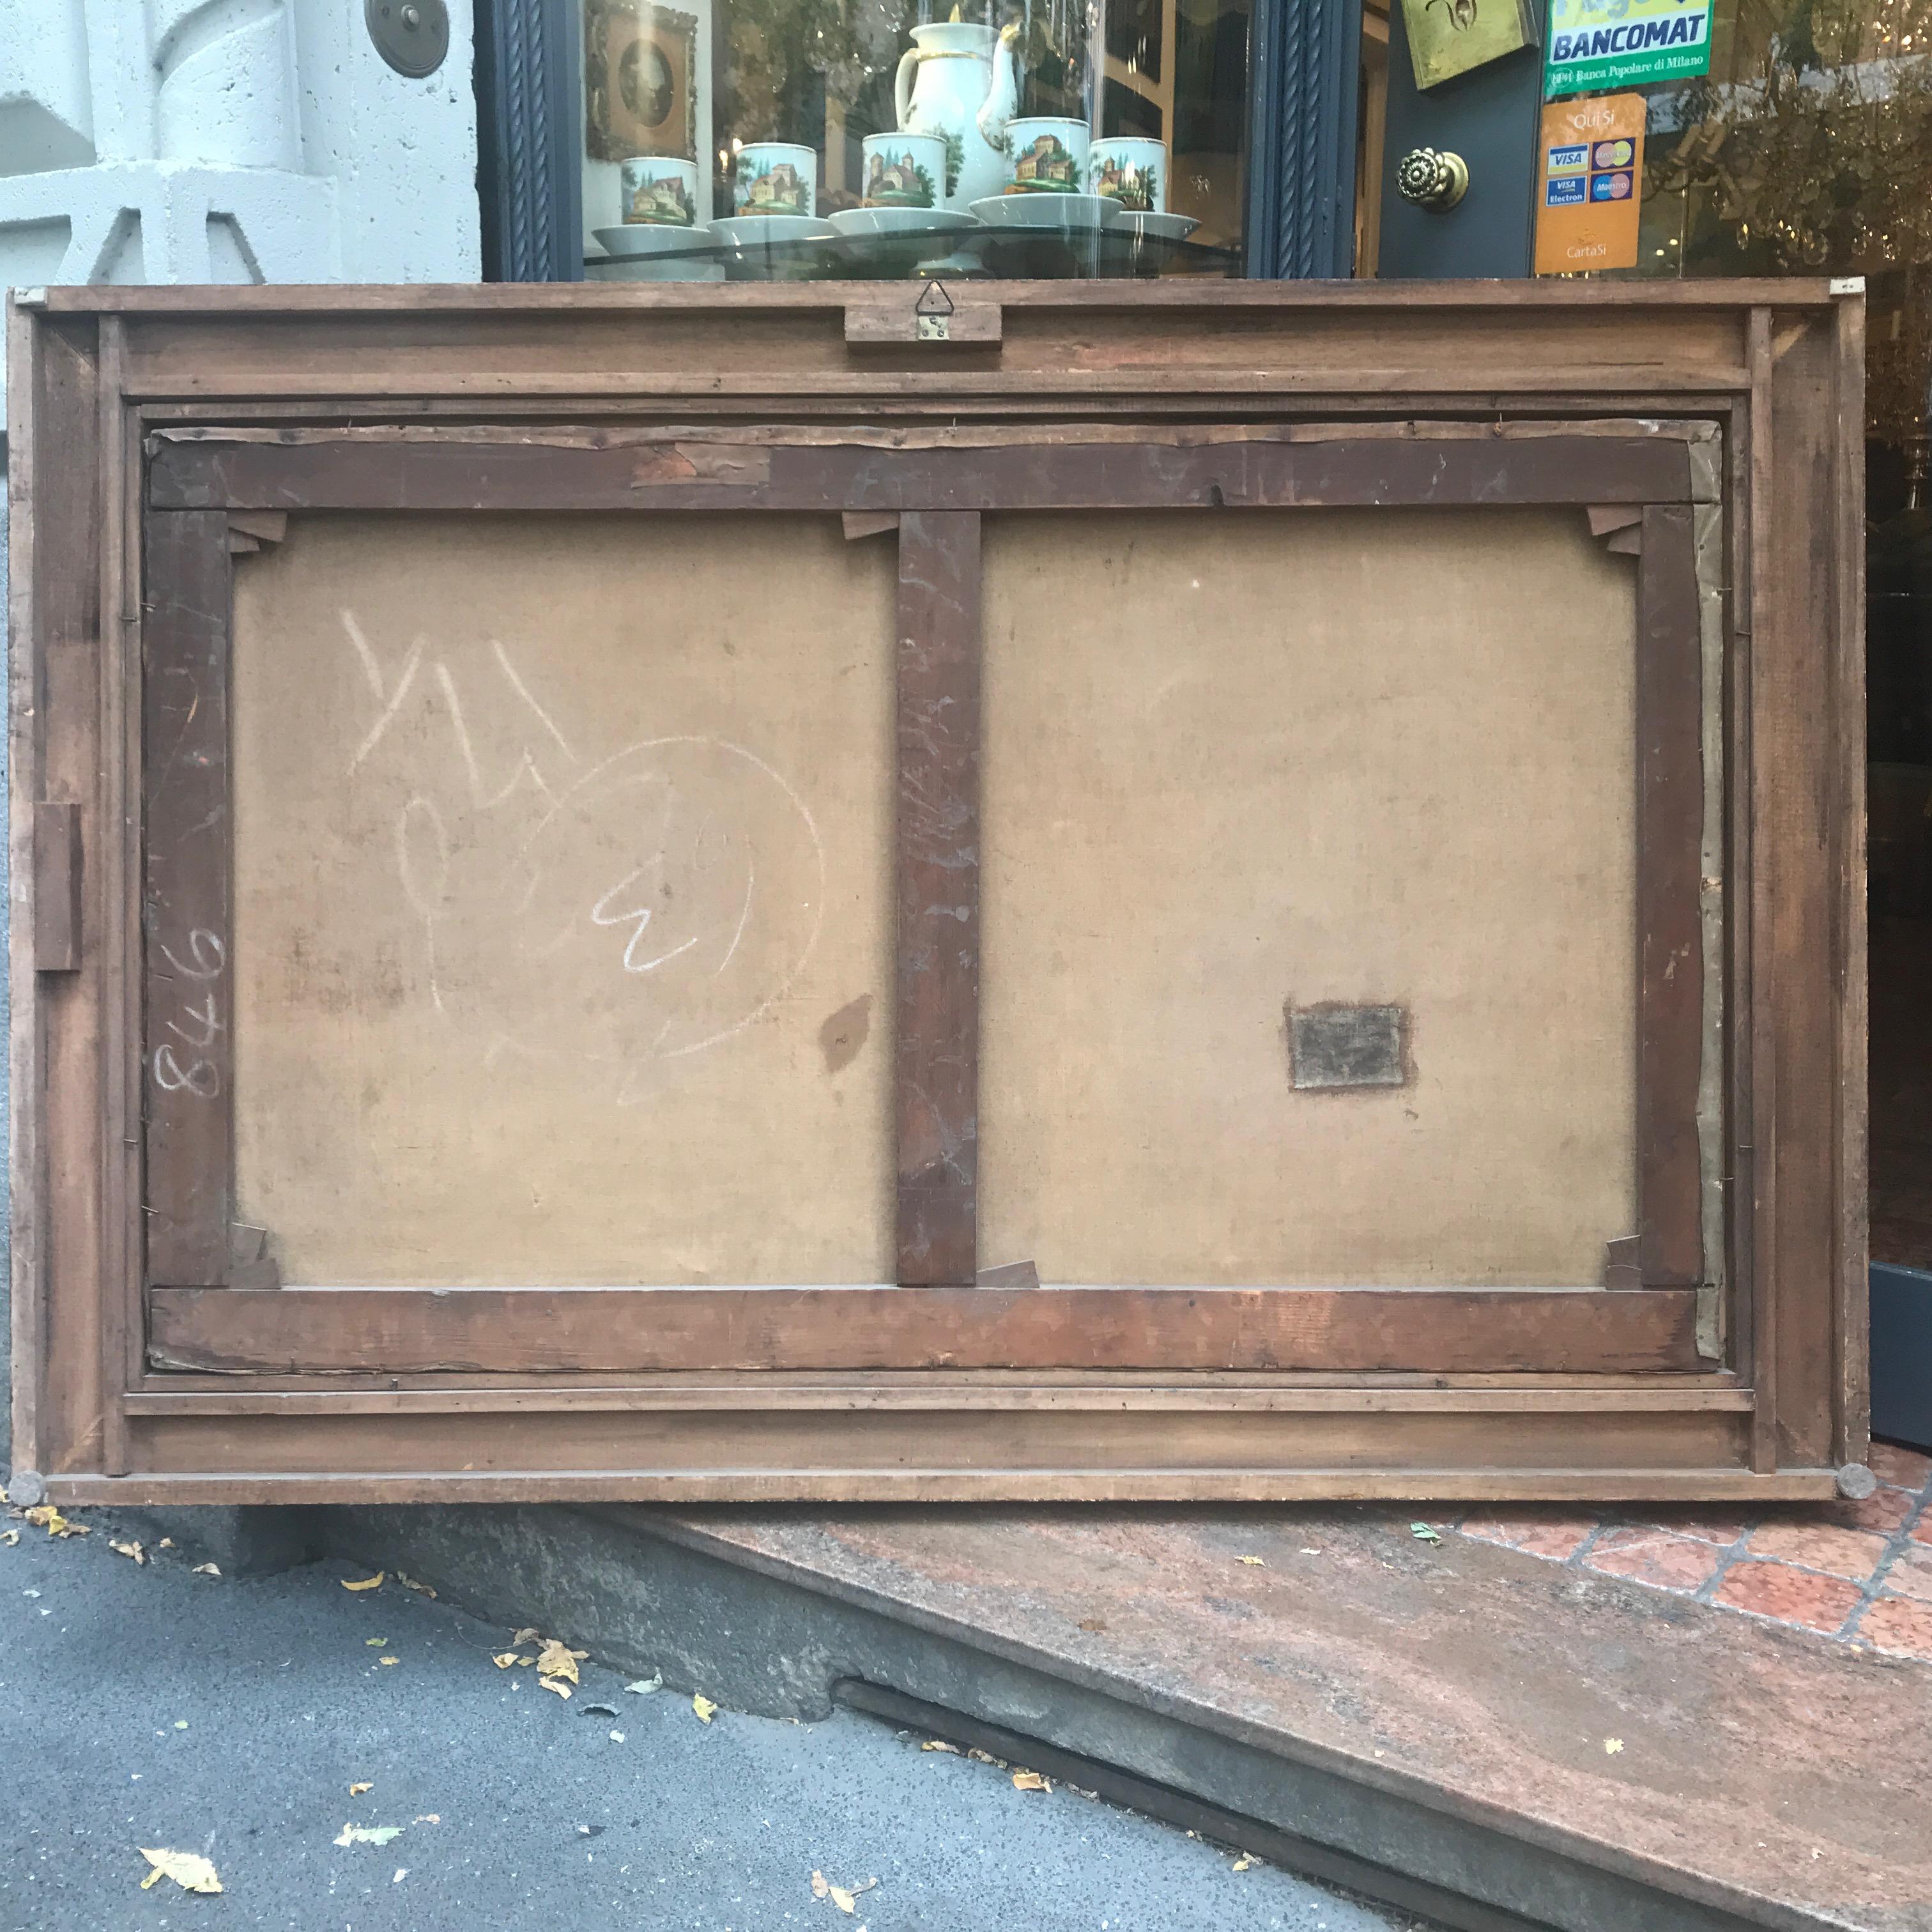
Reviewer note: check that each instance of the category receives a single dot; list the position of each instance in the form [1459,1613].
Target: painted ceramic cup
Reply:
[902,170]
[1049,157]
[774,177]
[660,190]
[1132,170]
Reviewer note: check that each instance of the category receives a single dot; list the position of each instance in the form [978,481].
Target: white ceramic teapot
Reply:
[957,80]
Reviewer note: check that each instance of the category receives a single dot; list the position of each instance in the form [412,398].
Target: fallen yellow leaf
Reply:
[526,1636]
[10,1536]
[357,1790]
[705,1708]
[129,1549]
[979,1757]
[555,1659]
[939,1744]
[375,1642]
[562,1689]
[166,1542]
[367,1834]
[410,1583]
[389,1659]
[1242,1863]
[374,1583]
[846,1898]
[1252,1562]
[1613,1745]
[1029,1780]
[44,1516]
[429,1818]
[188,1869]
[208,1569]
[504,1659]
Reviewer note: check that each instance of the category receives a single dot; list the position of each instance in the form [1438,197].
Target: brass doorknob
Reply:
[1432,179]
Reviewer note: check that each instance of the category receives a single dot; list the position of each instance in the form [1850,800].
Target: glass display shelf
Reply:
[1121,246]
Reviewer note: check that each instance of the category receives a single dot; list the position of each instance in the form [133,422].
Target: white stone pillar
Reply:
[228,141]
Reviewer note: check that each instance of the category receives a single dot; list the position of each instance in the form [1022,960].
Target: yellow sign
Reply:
[1589,181]
[1446,37]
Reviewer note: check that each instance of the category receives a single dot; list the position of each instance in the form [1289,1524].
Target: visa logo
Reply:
[1564,159]
[1564,194]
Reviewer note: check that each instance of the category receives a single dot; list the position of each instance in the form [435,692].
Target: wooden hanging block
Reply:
[56,887]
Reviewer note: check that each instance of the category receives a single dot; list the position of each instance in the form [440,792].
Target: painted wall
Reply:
[226,141]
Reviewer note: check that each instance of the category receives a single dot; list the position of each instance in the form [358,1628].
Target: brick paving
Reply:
[1860,1572]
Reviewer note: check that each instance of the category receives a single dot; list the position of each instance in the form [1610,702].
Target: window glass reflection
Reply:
[762,139]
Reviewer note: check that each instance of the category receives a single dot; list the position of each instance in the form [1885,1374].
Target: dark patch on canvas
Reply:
[1334,1046]
[841,1037]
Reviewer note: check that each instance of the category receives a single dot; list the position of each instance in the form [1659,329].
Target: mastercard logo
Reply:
[1613,155]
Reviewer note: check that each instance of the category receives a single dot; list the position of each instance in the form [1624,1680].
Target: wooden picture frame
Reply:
[159,434]
[639,80]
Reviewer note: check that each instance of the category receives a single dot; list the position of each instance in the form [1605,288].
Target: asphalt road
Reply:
[150,1706]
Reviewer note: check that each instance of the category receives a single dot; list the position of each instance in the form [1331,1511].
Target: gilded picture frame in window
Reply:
[639,80]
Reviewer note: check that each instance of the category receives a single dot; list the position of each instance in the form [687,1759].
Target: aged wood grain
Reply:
[1737,1315]
[1112,344]
[188,1057]
[1062,470]
[1043,1386]
[74,678]
[1852,1395]
[56,871]
[115,894]
[861,1442]
[1799,739]
[403,299]
[936,1079]
[54,623]
[1311,411]
[1494,1483]
[1756,1093]
[422,1331]
[714,445]
[1670,980]
[1606,519]
[928,1391]
[885,317]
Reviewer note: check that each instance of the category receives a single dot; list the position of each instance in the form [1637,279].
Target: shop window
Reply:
[794,139]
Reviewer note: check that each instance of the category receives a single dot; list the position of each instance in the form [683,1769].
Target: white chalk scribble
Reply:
[609,913]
